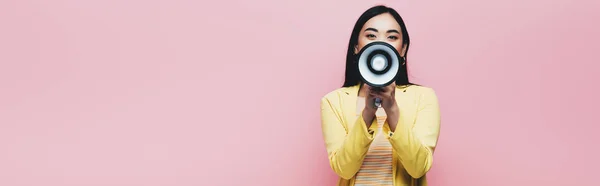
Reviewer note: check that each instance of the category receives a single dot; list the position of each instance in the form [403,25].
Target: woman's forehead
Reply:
[382,22]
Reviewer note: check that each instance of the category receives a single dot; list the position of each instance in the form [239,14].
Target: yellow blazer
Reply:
[347,138]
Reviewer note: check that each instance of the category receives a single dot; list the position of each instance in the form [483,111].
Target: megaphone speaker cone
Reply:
[378,64]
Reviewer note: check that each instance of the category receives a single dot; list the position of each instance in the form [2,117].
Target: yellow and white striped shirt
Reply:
[377,165]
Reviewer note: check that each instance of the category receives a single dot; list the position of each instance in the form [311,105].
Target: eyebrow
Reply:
[389,31]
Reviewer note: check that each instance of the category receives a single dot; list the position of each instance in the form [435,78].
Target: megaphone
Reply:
[378,64]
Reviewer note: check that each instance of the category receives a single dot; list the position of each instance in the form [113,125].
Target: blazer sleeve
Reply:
[346,149]
[415,142]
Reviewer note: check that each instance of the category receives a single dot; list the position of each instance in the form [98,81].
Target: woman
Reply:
[388,145]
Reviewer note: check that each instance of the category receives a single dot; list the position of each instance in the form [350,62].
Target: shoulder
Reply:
[332,101]
[422,94]
[418,89]
[335,95]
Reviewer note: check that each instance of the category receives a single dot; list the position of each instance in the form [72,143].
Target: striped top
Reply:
[377,165]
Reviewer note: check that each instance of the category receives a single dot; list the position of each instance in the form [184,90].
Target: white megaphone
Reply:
[378,64]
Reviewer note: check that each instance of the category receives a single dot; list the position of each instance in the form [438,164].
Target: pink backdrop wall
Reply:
[152,93]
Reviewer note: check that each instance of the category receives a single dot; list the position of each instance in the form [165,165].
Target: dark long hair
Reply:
[352,75]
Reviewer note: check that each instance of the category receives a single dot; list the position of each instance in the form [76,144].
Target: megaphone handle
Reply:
[377,102]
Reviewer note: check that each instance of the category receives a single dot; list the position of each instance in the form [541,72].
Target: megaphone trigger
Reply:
[377,103]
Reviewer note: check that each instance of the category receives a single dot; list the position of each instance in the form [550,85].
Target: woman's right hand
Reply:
[368,112]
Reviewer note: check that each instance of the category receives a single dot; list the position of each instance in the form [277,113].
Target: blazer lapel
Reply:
[350,96]
[406,104]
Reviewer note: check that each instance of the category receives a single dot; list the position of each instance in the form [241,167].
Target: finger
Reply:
[371,89]
[377,94]
[386,89]
[391,86]
[378,89]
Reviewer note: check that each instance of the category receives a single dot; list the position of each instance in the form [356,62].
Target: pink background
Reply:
[124,93]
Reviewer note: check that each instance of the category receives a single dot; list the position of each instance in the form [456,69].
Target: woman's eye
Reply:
[393,37]
[370,35]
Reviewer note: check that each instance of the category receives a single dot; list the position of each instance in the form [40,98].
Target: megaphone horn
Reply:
[378,64]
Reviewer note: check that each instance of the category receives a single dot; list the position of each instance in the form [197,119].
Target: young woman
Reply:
[388,145]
